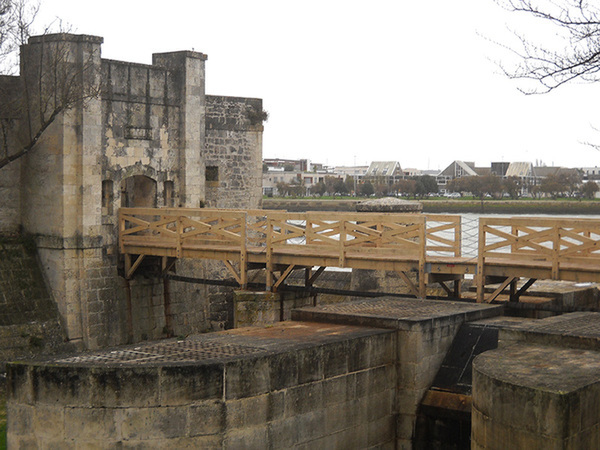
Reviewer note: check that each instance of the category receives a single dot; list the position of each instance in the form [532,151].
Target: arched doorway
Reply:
[138,191]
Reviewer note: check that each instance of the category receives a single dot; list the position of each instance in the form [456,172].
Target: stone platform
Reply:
[395,313]
[305,383]
[313,384]
[541,387]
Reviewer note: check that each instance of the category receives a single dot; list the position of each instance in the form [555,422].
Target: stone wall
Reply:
[29,319]
[10,212]
[233,151]
[293,385]
[144,141]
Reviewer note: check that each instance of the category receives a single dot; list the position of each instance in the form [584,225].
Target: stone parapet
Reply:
[531,396]
[294,384]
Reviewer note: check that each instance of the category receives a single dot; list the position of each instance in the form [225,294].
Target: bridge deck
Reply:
[426,245]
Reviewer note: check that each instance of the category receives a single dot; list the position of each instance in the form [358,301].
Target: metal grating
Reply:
[396,308]
[168,352]
[584,326]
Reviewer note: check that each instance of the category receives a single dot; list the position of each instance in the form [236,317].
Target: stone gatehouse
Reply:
[149,137]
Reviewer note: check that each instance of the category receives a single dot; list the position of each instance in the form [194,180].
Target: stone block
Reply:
[353,437]
[247,377]
[154,423]
[19,385]
[406,426]
[20,419]
[275,406]
[283,370]
[191,443]
[207,418]
[335,390]
[283,433]
[180,385]
[335,359]
[50,420]
[380,405]
[248,438]
[310,425]
[67,386]
[310,365]
[382,378]
[130,387]
[87,424]
[247,412]
[381,431]
[303,399]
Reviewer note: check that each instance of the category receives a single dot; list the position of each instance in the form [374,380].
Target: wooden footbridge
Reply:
[421,248]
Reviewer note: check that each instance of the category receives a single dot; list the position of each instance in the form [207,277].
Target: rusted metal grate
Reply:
[179,351]
[584,326]
[397,309]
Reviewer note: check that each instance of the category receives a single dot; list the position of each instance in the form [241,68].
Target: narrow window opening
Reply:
[212,176]
[169,196]
[107,197]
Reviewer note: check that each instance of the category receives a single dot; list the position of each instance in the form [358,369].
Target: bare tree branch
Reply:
[52,84]
[576,24]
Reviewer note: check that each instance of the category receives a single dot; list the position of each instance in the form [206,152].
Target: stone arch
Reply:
[138,191]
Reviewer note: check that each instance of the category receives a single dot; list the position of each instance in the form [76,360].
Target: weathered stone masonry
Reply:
[146,140]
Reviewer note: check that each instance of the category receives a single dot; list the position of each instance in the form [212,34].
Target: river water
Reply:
[470,228]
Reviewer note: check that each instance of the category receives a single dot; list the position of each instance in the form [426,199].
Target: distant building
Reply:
[457,169]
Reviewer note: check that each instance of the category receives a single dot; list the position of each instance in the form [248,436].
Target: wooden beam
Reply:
[409,283]
[315,275]
[283,276]
[132,269]
[521,291]
[233,272]
[498,291]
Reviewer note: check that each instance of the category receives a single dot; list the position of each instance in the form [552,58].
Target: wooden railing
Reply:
[550,248]
[443,235]
[180,233]
[533,247]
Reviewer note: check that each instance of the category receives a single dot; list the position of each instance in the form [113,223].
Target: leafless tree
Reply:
[52,84]
[575,49]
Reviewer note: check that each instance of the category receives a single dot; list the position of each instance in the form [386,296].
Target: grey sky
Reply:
[348,81]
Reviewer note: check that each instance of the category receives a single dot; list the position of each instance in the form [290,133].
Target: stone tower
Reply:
[135,135]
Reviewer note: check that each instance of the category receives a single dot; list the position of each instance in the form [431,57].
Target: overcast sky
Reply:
[349,82]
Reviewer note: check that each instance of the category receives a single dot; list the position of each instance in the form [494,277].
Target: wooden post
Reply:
[481,261]
[555,252]
[269,261]
[243,253]
[422,255]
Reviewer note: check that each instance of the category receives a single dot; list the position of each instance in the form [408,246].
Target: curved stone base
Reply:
[527,396]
